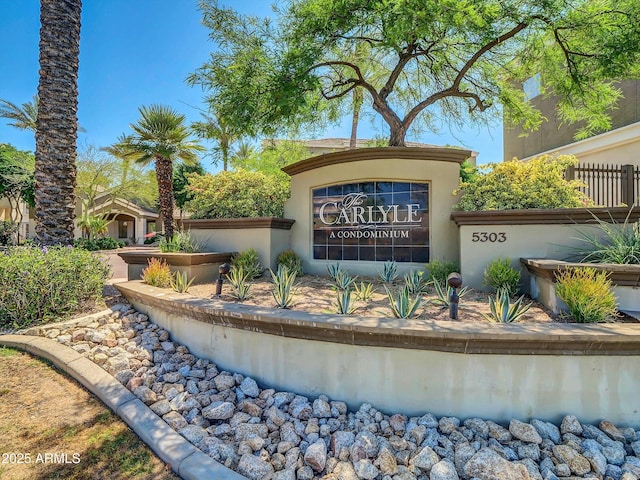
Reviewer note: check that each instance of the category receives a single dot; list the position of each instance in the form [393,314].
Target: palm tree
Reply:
[161,136]
[24,117]
[216,128]
[57,121]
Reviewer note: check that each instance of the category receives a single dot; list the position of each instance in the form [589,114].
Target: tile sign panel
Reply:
[371,221]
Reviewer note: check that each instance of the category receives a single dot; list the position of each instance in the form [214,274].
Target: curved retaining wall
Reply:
[491,371]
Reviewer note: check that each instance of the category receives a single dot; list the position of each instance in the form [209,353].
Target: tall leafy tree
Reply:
[160,136]
[23,117]
[180,182]
[457,59]
[214,127]
[57,122]
[16,179]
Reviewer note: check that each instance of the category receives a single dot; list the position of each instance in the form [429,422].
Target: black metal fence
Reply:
[608,185]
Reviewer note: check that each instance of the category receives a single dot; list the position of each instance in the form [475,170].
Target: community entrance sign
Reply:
[372,221]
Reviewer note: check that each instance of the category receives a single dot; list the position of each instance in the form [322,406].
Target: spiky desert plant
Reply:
[181,282]
[443,295]
[344,281]
[402,306]
[415,282]
[334,270]
[363,291]
[503,311]
[239,281]
[389,272]
[343,302]
[283,281]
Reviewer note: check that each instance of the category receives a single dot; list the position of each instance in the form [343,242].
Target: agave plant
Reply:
[343,280]
[503,311]
[443,295]
[283,286]
[363,291]
[343,304]
[334,270]
[239,280]
[389,272]
[414,281]
[402,305]
[181,283]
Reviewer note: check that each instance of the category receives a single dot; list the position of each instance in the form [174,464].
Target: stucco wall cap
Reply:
[438,154]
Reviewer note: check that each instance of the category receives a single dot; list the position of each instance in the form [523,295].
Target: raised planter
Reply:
[203,267]
[492,371]
[543,273]
[269,236]
[531,233]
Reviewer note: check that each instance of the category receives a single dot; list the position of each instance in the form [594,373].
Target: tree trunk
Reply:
[358,99]
[164,175]
[57,124]
[398,134]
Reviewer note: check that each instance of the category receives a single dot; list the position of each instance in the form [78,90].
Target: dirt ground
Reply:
[315,294]
[52,428]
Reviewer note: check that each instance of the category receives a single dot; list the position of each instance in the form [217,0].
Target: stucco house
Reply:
[129,222]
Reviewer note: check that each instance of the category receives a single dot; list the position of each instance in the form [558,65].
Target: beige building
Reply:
[128,221]
[619,146]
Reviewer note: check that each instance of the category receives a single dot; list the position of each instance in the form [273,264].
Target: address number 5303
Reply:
[492,237]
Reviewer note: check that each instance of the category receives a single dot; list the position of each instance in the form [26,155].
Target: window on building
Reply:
[531,87]
[123,229]
[151,227]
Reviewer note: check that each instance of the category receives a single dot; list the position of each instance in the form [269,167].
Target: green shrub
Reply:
[615,243]
[105,243]
[291,260]
[237,194]
[181,242]
[587,293]
[157,274]
[8,231]
[249,262]
[43,284]
[439,270]
[536,183]
[500,275]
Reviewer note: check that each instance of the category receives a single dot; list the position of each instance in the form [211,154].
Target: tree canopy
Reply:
[459,59]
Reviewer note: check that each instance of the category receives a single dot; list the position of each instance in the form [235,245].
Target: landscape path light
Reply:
[454,280]
[222,271]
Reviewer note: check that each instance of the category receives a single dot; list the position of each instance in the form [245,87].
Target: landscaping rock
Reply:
[284,436]
[488,465]
[254,468]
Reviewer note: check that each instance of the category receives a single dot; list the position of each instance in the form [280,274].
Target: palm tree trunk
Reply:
[57,124]
[164,174]
[358,99]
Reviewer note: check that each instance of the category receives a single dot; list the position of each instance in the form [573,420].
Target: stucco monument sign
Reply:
[367,206]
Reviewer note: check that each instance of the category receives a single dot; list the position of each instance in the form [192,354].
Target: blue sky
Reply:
[139,52]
